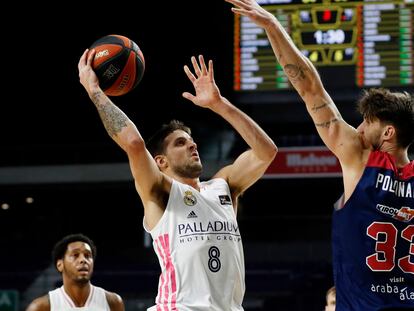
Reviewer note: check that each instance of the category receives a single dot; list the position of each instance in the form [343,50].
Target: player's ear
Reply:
[389,132]
[161,161]
[59,265]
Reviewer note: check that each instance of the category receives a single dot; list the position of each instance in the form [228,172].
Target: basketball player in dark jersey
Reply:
[373,231]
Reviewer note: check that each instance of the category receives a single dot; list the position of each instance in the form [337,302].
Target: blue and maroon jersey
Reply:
[373,239]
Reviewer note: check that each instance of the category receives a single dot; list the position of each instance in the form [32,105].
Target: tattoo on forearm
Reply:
[113,119]
[95,97]
[327,124]
[295,73]
[317,108]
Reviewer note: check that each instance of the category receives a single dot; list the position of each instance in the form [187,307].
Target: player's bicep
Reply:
[244,172]
[144,169]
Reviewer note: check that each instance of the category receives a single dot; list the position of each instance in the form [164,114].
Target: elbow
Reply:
[271,152]
[134,145]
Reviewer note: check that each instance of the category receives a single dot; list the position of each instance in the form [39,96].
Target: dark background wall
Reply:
[48,106]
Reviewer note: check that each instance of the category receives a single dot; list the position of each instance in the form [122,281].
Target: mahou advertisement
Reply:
[293,162]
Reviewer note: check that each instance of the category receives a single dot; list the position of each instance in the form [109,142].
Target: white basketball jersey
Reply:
[199,248]
[60,301]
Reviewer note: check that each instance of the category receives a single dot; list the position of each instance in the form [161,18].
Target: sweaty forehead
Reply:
[78,246]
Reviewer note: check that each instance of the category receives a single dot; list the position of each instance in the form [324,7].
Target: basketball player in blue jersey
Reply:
[74,257]
[373,231]
[193,224]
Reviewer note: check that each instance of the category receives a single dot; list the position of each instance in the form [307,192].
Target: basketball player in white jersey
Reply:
[74,257]
[193,224]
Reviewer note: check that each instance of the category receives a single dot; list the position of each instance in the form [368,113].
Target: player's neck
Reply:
[78,293]
[400,155]
[193,182]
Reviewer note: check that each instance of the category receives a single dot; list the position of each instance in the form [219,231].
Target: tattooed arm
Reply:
[150,183]
[339,137]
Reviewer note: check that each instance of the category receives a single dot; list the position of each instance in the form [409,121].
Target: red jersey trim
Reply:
[382,159]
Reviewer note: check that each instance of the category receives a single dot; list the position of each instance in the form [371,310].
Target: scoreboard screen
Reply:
[353,44]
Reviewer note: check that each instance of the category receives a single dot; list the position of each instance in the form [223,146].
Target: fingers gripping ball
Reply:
[118,63]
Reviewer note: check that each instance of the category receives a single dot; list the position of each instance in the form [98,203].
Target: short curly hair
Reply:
[61,246]
[395,108]
[155,143]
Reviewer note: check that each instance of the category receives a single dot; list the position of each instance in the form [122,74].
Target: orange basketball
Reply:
[118,63]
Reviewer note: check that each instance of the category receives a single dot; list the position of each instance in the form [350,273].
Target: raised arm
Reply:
[250,165]
[341,138]
[121,129]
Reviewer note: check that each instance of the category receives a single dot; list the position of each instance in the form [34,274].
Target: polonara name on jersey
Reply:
[400,188]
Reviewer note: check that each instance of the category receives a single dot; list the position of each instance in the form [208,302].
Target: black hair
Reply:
[155,143]
[395,108]
[61,246]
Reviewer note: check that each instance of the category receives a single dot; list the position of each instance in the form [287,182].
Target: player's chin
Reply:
[84,278]
[198,167]
[196,170]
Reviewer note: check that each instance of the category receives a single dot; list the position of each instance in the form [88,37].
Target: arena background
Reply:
[60,172]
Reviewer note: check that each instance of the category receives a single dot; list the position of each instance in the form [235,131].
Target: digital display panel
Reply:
[353,44]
